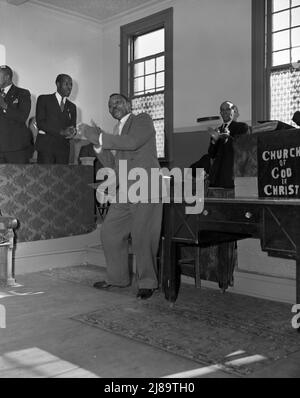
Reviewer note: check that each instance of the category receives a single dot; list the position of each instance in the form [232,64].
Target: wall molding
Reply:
[63,12]
[140,11]
[57,253]
[152,4]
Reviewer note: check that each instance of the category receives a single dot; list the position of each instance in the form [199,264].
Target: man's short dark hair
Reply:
[122,96]
[7,70]
[60,78]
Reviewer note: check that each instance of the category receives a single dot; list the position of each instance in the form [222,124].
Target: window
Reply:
[276,57]
[146,73]
[284,50]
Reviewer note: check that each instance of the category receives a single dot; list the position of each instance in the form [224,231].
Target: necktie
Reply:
[119,128]
[62,105]
[224,127]
[2,92]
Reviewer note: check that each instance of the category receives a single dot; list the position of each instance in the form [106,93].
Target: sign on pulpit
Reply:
[278,157]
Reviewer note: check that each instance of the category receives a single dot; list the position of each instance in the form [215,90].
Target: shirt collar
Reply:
[7,88]
[124,119]
[59,97]
[227,123]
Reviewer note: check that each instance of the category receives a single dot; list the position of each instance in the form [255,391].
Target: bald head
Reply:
[227,111]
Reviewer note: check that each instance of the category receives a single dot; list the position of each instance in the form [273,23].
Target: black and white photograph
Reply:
[149,192]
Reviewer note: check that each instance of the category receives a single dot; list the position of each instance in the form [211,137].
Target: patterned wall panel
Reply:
[50,201]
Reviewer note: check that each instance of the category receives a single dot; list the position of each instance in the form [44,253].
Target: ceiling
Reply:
[100,10]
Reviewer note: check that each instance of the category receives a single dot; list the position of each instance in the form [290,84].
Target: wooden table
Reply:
[276,222]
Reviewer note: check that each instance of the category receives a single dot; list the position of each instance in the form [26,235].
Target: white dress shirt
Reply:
[59,98]
[118,127]
[5,91]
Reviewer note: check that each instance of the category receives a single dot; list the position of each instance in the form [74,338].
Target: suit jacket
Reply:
[221,172]
[136,145]
[52,121]
[14,134]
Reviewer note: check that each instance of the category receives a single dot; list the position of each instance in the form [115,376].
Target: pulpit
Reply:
[273,217]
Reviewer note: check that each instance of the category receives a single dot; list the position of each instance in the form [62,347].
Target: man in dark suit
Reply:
[56,121]
[15,105]
[219,261]
[133,141]
[221,147]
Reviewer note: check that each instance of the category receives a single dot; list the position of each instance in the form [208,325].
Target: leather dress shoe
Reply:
[144,294]
[102,285]
[105,285]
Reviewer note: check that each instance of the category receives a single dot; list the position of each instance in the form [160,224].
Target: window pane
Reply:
[160,64]
[281,40]
[295,37]
[280,4]
[150,83]
[281,21]
[150,66]
[296,16]
[139,69]
[295,3]
[149,44]
[159,126]
[284,94]
[139,84]
[155,106]
[296,54]
[281,58]
[160,80]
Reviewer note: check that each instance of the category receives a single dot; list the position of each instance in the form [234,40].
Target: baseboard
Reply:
[54,253]
[255,285]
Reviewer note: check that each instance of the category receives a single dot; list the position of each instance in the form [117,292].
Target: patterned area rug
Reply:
[241,334]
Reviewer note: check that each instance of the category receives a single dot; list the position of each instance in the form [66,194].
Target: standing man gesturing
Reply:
[56,121]
[133,142]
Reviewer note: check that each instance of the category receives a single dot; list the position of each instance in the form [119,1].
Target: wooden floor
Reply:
[41,339]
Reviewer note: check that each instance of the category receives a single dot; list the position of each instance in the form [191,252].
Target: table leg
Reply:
[298,270]
[171,271]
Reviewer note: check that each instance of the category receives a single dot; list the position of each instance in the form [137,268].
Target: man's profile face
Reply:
[64,87]
[118,107]
[227,111]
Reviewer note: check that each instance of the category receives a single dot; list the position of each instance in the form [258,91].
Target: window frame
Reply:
[162,19]
[262,59]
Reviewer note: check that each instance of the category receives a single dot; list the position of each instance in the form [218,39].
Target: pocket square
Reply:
[16,101]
